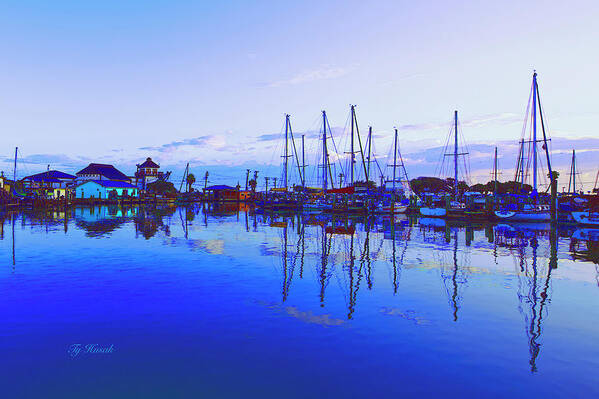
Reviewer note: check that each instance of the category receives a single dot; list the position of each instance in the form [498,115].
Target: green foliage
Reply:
[161,187]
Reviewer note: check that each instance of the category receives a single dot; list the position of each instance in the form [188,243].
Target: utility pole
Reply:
[266,180]
[247,178]
[275,179]
[206,180]
[340,180]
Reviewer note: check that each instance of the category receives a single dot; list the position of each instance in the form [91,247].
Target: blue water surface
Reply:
[224,302]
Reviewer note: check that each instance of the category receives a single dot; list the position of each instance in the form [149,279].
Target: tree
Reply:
[190,180]
[253,184]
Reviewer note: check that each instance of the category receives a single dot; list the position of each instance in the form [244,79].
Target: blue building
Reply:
[104,188]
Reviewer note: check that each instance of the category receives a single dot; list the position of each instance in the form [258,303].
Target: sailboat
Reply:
[452,208]
[529,209]
[392,206]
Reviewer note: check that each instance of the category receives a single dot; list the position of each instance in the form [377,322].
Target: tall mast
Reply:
[455,155]
[325,153]
[394,159]
[369,148]
[572,181]
[14,173]
[495,173]
[303,164]
[299,169]
[352,155]
[534,131]
[522,161]
[286,156]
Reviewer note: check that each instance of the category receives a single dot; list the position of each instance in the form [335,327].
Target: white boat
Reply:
[396,208]
[529,213]
[586,217]
[433,212]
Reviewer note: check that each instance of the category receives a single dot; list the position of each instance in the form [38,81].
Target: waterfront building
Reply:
[105,189]
[147,173]
[53,183]
[99,171]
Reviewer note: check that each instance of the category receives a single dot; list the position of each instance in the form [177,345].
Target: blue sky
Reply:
[205,81]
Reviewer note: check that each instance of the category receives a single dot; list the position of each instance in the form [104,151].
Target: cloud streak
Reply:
[325,72]
[213,142]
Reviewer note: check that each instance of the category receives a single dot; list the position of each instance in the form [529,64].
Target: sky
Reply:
[210,82]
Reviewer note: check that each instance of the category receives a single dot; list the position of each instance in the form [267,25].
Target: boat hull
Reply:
[519,216]
[433,212]
[586,218]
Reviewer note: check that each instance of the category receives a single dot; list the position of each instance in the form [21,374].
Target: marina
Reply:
[188,296]
[277,199]
[454,198]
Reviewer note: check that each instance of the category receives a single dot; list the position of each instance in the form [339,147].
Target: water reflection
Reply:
[346,252]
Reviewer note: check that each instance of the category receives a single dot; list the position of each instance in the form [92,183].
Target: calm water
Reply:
[225,303]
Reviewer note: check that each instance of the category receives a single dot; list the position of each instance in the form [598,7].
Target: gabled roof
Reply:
[108,171]
[149,164]
[51,174]
[110,184]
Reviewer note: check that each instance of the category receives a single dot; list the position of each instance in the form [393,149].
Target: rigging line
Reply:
[361,149]
[336,151]
[544,135]
[527,112]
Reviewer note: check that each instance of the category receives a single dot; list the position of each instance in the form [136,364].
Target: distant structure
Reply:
[100,171]
[147,173]
[53,183]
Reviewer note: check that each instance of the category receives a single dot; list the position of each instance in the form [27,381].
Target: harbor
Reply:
[315,294]
[275,199]
[363,185]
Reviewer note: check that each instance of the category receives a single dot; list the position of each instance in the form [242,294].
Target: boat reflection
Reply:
[348,251]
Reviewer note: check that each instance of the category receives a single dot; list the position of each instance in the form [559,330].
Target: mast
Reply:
[574,169]
[522,162]
[495,173]
[325,154]
[303,164]
[14,173]
[352,155]
[286,156]
[534,131]
[369,148]
[394,159]
[455,157]
[546,146]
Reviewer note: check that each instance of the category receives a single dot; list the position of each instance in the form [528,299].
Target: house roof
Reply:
[51,175]
[108,171]
[110,184]
[149,164]
[220,187]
